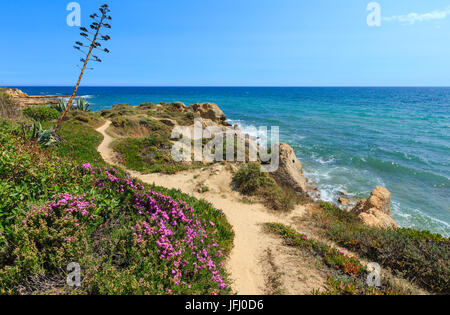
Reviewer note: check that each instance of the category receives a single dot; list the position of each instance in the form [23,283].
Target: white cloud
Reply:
[412,18]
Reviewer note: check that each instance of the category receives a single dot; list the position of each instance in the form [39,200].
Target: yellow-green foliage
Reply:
[251,181]
[347,275]
[420,256]
[41,113]
[127,114]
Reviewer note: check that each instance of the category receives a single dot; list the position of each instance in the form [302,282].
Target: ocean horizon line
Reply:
[232,86]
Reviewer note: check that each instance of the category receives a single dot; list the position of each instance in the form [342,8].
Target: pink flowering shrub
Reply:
[127,238]
[45,241]
[185,241]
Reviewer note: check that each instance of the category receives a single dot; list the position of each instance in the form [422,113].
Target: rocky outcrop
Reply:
[24,100]
[290,170]
[343,201]
[174,107]
[168,122]
[209,111]
[376,210]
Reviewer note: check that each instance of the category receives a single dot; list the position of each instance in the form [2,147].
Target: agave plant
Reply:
[44,137]
[81,105]
[61,106]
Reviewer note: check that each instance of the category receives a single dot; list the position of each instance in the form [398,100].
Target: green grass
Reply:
[80,142]
[149,155]
[419,256]
[203,189]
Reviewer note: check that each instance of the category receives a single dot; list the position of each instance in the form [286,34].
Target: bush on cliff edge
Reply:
[251,181]
[420,256]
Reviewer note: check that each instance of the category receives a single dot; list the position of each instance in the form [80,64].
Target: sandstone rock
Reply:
[168,122]
[23,99]
[343,201]
[175,107]
[376,218]
[376,210]
[290,170]
[209,111]
[380,199]
[15,93]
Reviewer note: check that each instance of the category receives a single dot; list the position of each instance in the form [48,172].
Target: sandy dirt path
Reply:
[250,243]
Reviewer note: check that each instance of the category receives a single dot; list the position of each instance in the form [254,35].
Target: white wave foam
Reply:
[416,218]
[253,132]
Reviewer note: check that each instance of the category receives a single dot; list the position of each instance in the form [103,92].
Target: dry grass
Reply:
[274,283]
[8,108]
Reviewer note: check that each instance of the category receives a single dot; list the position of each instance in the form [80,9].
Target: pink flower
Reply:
[87,166]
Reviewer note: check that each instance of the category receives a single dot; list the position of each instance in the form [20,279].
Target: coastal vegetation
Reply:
[8,108]
[130,238]
[420,256]
[81,105]
[63,203]
[41,113]
[144,131]
[347,274]
[80,139]
[251,181]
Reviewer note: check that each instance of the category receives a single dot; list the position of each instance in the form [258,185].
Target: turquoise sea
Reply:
[348,139]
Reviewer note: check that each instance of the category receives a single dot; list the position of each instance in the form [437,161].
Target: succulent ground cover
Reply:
[419,256]
[129,238]
[347,275]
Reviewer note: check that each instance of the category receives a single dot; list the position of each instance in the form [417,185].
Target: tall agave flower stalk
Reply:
[99,22]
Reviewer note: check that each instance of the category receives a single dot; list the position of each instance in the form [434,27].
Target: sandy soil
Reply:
[249,264]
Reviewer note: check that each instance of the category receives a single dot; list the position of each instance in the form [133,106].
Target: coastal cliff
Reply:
[158,119]
[24,100]
[272,235]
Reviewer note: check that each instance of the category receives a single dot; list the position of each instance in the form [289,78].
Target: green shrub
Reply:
[41,113]
[105,230]
[251,181]
[349,272]
[28,174]
[419,256]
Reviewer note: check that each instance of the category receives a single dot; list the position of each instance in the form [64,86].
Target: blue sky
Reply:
[233,43]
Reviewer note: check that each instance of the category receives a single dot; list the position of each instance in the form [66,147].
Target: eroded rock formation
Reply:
[24,100]
[209,111]
[290,170]
[376,210]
